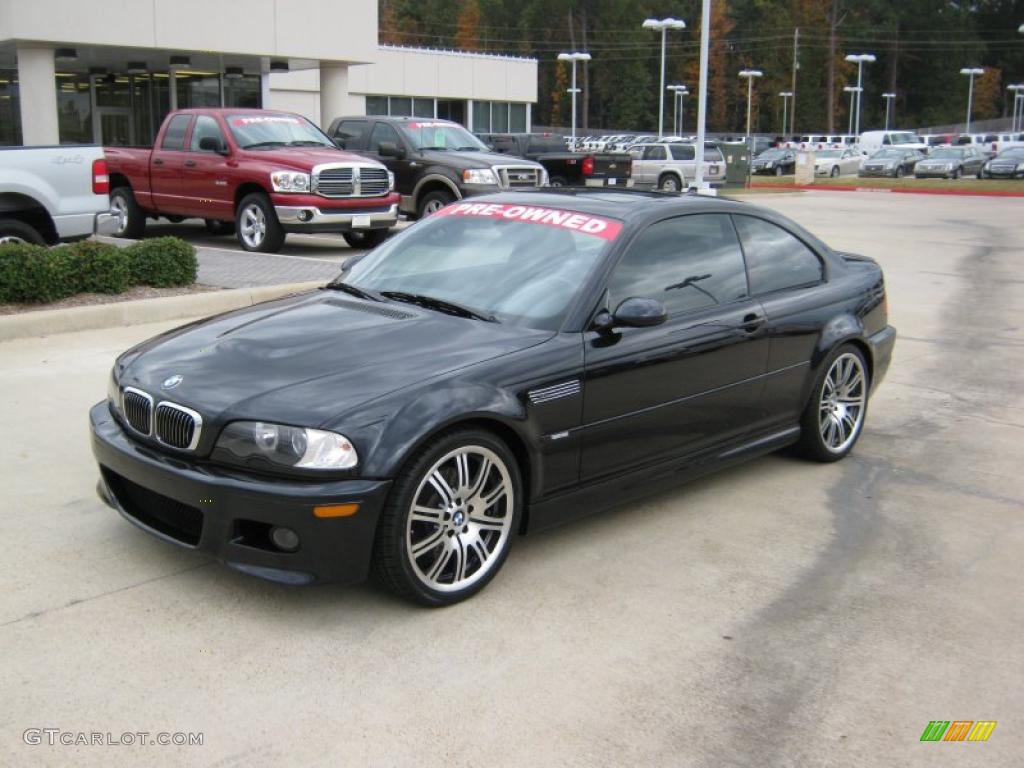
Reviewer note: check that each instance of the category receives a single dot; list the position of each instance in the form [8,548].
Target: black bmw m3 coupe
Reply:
[504,365]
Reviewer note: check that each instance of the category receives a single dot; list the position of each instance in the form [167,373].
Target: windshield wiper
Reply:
[260,144]
[431,149]
[466,149]
[441,305]
[307,143]
[353,290]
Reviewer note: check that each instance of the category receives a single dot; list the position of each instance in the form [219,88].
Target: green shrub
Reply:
[32,273]
[98,267]
[162,262]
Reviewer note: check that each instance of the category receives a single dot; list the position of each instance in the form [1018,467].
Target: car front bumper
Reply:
[228,514]
[877,172]
[928,173]
[313,218]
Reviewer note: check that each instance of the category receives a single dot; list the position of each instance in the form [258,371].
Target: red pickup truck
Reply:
[256,172]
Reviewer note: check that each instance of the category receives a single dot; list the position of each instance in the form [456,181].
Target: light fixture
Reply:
[860,59]
[971,72]
[786,95]
[574,57]
[663,25]
[137,68]
[181,61]
[279,65]
[233,73]
[67,54]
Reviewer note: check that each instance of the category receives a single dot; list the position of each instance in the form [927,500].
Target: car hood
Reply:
[304,158]
[311,358]
[464,160]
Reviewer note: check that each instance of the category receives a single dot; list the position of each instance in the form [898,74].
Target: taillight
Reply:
[100,178]
[588,166]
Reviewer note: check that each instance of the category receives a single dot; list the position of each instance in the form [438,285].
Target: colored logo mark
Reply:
[958,730]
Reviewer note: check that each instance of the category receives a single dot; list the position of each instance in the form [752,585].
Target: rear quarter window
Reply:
[776,260]
[174,136]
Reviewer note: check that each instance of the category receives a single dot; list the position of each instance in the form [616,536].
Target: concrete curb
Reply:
[48,322]
[897,190]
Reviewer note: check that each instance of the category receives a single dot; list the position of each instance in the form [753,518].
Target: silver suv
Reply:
[672,166]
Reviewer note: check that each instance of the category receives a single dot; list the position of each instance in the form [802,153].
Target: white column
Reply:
[334,96]
[529,117]
[37,84]
[264,90]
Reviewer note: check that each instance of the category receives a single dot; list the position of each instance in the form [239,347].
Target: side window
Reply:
[205,127]
[503,144]
[688,263]
[775,259]
[382,132]
[352,131]
[174,136]
[682,152]
[654,153]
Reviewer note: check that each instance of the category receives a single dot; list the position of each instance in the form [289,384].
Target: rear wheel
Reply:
[365,238]
[218,227]
[834,416]
[835,171]
[669,183]
[257,226]
[131,221]
[14,231]
[955,174]
[433,202]
[449,520]
[556,181]
[778,170]
[899,172]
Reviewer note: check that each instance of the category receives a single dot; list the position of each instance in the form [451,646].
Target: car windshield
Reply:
[266,131]
[436,134]
[829,153]
[889,154]
[1017,153]
[949,153]
[519,264]
[904,138]
[772,154]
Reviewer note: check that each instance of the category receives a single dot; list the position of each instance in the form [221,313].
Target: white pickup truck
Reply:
[52,194]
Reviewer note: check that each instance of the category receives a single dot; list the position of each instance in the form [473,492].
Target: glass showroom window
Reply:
[499,117]
[74,109]
[243,92]
[481,117]
[10,108]
[423,108]
[376,105]
[517,118]
[401,106]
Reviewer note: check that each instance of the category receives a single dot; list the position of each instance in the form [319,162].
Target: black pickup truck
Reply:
[565,168]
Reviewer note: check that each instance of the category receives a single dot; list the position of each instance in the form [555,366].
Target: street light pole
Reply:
[702,94]
[888,103]
[574,57]
[678,91]
[664,25]
[860,59]
[785,100]
[971,72]
[748,75]
[852,90]
[1018,99]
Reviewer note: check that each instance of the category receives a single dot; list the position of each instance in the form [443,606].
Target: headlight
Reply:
[1020,166]
[289,181]
[480,176]
[248,442]
[544,180]
[391,180]
[113,391]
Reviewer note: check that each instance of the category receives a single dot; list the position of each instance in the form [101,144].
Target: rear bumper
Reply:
[310,218]
[619,183]
[228,514]
[105,224]
[882,344]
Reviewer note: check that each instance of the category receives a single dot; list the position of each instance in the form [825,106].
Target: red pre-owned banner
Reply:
[606,229]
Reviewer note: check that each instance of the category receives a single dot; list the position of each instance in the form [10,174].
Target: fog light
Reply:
[284,538]
[305,215]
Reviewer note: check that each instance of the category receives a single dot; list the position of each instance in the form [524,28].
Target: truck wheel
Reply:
[257,226]
[218,227]
[131,221]
[434,201]
[556,181]
[14,231]
[365,238]
[669,183]
[835,171]
[899,172]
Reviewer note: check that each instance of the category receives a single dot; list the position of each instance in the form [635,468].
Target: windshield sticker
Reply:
[264,119]
[429,125]
[607,229]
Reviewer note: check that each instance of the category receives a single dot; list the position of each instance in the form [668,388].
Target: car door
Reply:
[205,182]
[404,167]
[651,162]
[684,160]
[655,393]
[787,276]
[850,161]
[974,161]
[167,165]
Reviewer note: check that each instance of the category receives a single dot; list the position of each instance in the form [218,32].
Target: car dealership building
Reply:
[107,71]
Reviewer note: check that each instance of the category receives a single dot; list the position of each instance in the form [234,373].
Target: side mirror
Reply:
[633,312]
[212,144]
[339,142]
[390,149]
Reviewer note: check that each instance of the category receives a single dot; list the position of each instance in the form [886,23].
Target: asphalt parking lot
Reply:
[777,614]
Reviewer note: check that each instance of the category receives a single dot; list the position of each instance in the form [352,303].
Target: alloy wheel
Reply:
[841,408]
[120,209]
[254,225]
[432,206]
[11,239]
[460,519]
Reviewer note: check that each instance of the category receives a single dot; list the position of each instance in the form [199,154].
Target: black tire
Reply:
[366,238]
[669,182]
[14,231]
[433,201]
[218,227]
[557,181]
[835,172]
[256,225]
[132,221]
[812,443]
[778,170]
[900,172]
[392,558]
[955,174]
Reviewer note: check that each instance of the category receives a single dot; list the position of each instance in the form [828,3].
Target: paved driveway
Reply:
[777,614]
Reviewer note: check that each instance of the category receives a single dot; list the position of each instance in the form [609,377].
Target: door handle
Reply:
[751,322]
[190,163]
[158,161]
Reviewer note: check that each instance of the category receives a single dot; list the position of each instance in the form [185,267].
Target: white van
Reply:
[872,141]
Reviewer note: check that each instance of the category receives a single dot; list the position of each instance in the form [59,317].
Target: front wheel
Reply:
[433,202]
[449,520]
[257,226]
[13,231]
[778,170]
[832,421]
[365,238]
[131,221]
[899,172]
[669,183]
[955,174]
[835,171]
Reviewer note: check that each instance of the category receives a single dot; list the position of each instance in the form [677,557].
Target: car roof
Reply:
[626,205]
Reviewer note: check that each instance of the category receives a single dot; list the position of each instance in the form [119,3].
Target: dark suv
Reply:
[434,161]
